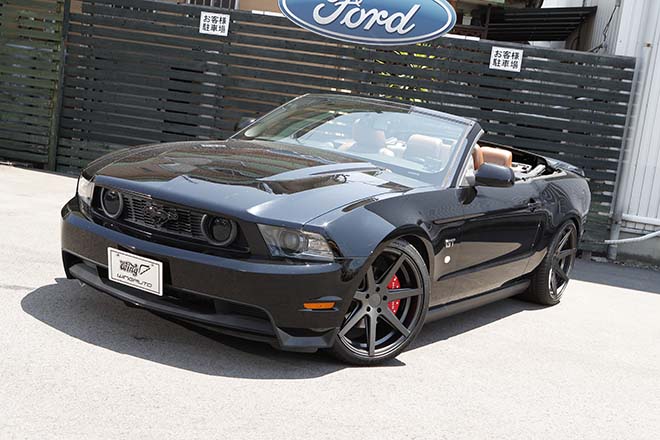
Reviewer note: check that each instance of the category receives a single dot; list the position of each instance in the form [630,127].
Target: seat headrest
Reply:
[367,139]
[420,145]
[497,156]
[477,157]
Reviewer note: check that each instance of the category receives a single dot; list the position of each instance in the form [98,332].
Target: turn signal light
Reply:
[319,305]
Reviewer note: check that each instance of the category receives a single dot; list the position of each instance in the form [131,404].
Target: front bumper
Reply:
[254,299]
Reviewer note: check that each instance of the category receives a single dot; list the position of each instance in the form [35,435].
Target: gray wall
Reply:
[591,34]
[639,194]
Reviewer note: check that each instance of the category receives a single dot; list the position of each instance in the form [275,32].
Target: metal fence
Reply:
[230,4]
[30,71]
[139,71]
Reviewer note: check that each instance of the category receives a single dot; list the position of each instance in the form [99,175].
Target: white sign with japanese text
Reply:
[214,24]
[504,58]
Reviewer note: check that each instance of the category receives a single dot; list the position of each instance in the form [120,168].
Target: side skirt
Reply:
[462,305]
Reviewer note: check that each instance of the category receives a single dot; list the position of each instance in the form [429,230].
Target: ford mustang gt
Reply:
[333,222]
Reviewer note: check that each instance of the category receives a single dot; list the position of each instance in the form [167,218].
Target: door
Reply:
[446,215]
[497,237]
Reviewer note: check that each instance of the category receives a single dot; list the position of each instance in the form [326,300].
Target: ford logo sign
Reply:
[374,22]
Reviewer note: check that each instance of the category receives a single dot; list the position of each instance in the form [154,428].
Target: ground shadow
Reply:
[98,319]
[470,320]
[614,275]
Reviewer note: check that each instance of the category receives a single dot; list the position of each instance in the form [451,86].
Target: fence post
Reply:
[54,131]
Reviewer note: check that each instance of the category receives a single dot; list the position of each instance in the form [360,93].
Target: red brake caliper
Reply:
[394,284]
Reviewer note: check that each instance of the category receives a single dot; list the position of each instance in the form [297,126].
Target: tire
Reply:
[390,304]
[553,274]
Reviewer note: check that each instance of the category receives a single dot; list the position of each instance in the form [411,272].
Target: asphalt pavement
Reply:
[76,364]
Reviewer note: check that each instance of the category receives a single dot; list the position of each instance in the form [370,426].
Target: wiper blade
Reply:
[323,170]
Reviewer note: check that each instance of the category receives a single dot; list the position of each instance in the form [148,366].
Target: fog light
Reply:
[219,230]
[112,203]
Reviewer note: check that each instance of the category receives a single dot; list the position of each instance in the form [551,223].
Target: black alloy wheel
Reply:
[388,309]
[553,274]
[563,259]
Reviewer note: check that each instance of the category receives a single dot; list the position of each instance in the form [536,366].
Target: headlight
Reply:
[283,242]
[85,190]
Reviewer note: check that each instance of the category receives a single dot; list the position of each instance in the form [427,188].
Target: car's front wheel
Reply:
[388,309]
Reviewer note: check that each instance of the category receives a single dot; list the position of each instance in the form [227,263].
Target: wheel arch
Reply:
[419,239]
[575,218]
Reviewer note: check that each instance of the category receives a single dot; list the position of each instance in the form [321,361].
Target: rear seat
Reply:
[419,145]
[497,156]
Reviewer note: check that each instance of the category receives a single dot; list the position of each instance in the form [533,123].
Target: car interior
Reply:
[524,166]
[422,147]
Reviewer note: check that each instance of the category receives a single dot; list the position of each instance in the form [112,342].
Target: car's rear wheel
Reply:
[552,276]
[388,309]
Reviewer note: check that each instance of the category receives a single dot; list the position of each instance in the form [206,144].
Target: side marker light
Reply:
[319,305]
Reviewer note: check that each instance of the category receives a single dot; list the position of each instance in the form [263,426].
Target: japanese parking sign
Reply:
[214,24]
[504,58]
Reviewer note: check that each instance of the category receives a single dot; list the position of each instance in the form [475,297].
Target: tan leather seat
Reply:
[365,139]
[497,156]
[477,157]
[397,149]
[422,146]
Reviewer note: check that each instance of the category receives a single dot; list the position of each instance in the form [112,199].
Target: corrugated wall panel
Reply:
[640,187]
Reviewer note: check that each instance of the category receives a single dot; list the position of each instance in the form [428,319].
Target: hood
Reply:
[252,180]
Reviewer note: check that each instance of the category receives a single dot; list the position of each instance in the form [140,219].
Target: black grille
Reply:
[182,222]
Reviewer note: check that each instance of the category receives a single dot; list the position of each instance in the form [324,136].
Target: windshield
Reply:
[394,136]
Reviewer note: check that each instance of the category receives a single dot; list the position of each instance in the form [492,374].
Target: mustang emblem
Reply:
[159,215]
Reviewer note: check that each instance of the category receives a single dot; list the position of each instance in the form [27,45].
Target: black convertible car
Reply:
[333,222]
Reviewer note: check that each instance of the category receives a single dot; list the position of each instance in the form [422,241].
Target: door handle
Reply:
[534,205]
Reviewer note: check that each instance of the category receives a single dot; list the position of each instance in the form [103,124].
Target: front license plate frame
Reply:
[135,271]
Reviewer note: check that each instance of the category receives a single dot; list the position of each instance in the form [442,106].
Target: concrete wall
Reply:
[645,251]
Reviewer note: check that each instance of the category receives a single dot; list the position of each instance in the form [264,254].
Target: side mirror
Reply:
[493,175]
[244,122]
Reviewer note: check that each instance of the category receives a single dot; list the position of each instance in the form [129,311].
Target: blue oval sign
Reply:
[376,22]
